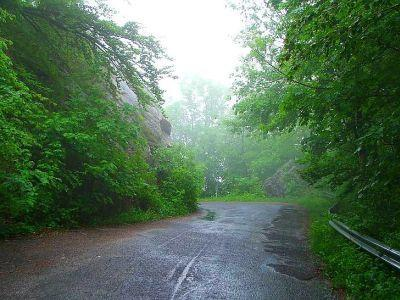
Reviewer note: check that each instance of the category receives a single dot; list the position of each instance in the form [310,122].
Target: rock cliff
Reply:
[157,128]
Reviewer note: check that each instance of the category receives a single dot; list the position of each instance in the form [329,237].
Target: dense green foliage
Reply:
[64,43]
[333,66]
[71,153]
[234,162]
[180,179]
[362,275]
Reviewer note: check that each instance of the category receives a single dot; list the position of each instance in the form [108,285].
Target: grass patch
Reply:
[234,198]
[315,202]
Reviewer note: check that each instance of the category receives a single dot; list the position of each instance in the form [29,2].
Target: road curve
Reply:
[231,251]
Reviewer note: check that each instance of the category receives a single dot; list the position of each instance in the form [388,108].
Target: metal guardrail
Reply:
[374,247]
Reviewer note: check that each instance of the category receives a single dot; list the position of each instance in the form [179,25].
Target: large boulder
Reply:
[274,187]
[157,128]
[286,180]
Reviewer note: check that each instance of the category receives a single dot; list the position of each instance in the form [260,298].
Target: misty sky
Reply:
[197,34]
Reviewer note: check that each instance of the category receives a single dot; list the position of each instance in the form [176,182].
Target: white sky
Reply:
[197,34]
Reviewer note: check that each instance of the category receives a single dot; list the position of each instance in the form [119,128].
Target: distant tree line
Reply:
[235,161]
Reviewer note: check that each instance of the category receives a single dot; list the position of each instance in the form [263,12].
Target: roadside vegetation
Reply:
[71,152]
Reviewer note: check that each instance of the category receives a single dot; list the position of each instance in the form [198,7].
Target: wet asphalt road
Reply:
[247,251]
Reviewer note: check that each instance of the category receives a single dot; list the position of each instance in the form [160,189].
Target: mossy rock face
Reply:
[157,128]
[286,180]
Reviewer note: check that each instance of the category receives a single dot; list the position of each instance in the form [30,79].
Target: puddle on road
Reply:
[210,216]
[287,244]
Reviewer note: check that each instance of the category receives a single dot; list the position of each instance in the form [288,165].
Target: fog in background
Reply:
[197,34]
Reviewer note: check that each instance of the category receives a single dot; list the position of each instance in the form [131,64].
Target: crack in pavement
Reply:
[184,273]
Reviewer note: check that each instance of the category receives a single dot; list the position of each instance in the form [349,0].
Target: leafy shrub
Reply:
[180,179]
